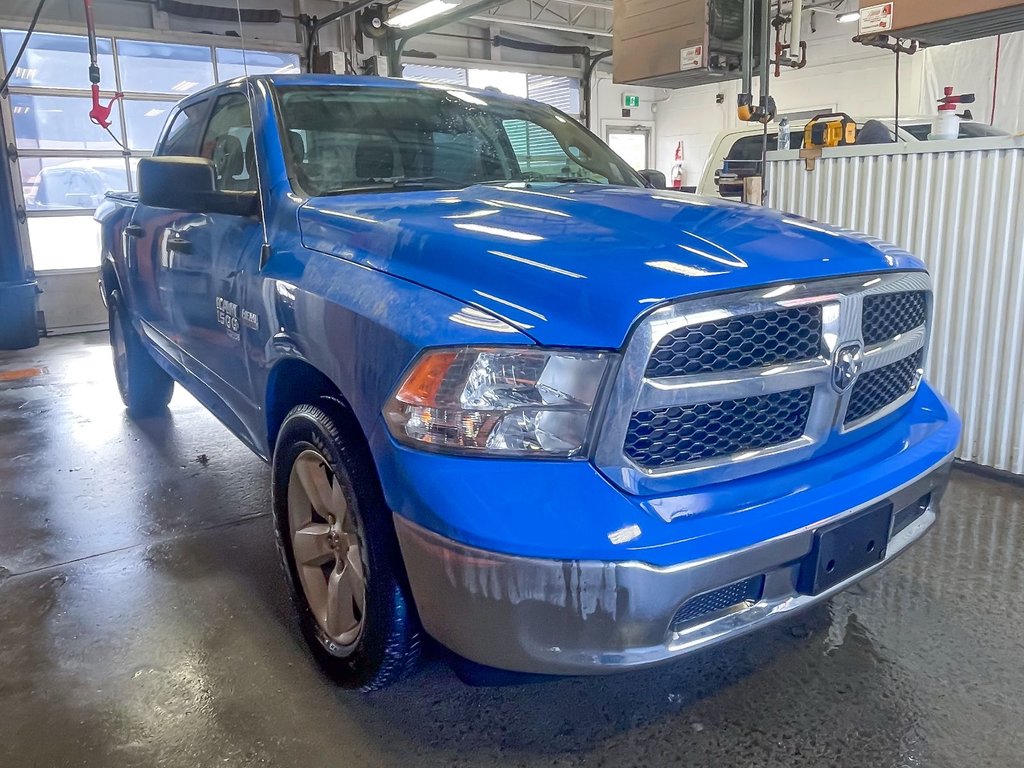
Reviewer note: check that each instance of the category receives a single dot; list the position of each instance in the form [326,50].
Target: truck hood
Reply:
[575,265]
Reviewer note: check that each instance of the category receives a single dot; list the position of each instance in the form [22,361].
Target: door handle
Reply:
[134,230]
[179,244]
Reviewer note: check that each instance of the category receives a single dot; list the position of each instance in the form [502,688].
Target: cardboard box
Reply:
[937,22]
[652,37]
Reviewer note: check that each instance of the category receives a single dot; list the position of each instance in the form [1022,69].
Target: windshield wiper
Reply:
[574,180]
[405,182]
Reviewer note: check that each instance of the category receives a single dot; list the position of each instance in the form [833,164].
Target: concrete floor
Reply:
[143,621]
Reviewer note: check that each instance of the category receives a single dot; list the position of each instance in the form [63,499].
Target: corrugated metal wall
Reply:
[961,211]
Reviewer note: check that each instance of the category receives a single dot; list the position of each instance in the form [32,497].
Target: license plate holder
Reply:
[846,548]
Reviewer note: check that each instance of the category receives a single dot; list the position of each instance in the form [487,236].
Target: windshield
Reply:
[364,139]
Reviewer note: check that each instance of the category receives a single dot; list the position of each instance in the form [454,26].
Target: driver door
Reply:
[215,255]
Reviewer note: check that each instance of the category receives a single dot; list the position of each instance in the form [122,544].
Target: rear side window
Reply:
[183,135]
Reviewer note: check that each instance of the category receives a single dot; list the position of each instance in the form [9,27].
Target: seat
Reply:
[374,158]
[228,162]
[874,132]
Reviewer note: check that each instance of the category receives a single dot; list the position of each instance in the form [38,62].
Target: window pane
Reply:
[145,120]
[57,61]
[64,242]
[229,63]
[512,83]
[427,73]
[560,92]
[226,144]
[163,67]
[59,183]
[133,168]
[538,152]
[59,122]
[183,136]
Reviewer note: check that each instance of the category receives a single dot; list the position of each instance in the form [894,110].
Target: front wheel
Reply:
[145,387]
[339,550]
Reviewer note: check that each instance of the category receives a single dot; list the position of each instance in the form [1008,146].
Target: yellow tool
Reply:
[832,129]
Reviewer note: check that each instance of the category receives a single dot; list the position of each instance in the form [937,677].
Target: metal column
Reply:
[17,291]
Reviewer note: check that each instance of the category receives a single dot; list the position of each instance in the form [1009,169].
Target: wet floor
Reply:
[143,622]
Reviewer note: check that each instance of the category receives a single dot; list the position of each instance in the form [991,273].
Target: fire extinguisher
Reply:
[678,175]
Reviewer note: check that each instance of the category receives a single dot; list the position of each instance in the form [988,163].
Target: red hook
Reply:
[99,113]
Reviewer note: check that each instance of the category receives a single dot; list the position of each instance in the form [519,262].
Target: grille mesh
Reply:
[887,315]
[746,591]
[876,389]
[750,341]
[682,434]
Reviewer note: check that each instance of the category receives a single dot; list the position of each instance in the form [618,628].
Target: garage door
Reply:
[66,164]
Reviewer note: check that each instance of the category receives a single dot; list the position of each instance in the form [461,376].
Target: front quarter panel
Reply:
[358,326]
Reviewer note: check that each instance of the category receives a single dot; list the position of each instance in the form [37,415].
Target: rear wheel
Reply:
[145,387]
[339,550]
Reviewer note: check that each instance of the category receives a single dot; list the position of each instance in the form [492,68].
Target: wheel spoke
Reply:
[312,474]
[341,605]
[338,504]
[312,544]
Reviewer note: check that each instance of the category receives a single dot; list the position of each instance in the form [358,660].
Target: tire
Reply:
[145,387]
[339,551]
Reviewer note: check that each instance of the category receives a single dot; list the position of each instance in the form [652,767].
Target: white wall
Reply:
[970,67]
[607,107]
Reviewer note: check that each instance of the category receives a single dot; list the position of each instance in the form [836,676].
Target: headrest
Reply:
[228,158]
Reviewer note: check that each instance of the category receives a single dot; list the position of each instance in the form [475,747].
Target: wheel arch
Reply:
[294,381]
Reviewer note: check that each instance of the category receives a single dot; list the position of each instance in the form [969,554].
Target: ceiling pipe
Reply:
[396,39]
[794,26]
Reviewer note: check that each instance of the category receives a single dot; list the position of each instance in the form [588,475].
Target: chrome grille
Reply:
[888,315]
[683,434]
[741,594]
[738,343]
[876,389]
[677,419]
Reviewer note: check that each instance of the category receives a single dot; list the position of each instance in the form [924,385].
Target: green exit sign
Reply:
[629,101]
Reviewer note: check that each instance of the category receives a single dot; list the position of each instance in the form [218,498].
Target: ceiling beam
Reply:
[554,27]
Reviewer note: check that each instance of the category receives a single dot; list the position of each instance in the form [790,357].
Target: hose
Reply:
[24,45]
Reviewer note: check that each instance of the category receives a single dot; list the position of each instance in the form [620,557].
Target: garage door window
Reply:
[65,163]
[560,92]
[164,68]
[231,63]
[56,61]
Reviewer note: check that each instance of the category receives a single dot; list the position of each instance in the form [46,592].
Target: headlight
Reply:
[498,401]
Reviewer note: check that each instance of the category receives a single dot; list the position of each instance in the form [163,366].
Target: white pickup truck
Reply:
[736,154]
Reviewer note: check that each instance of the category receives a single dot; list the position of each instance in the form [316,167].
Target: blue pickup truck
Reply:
[513,395]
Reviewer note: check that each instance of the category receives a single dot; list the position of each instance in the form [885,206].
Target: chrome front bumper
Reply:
[592,617]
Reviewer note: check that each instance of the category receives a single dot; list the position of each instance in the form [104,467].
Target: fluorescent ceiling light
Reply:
[846,18]
[420,13]
[183,86]
[154,112]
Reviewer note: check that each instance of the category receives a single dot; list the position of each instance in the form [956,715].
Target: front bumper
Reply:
[551,616]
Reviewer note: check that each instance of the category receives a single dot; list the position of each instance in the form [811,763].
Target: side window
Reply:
[183,135]
[227,143]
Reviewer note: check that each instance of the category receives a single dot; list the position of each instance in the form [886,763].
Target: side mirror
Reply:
[655,179]
[189,184]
